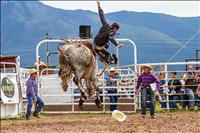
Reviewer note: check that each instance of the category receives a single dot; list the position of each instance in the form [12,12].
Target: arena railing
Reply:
[122,94]
[130,94]
[166,71]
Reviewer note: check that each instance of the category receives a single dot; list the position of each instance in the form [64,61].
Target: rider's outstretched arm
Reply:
[101,14]
[112,39]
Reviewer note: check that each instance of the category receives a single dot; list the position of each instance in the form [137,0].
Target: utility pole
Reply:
[47,51]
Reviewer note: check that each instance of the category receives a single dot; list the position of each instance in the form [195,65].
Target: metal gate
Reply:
[58,101]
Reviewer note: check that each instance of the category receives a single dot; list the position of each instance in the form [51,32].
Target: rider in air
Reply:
[101,40]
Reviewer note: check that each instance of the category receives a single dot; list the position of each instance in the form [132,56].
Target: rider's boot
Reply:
[107,65]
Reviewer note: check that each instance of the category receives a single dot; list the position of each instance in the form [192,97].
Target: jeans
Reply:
[173,103]
[113,99]
[190,96]
[145,92]
[39,105]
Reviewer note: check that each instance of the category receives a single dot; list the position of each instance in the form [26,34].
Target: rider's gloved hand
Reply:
[98,3]
[120,45]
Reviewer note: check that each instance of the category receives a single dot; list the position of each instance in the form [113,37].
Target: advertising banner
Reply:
[24,75]
[9,88]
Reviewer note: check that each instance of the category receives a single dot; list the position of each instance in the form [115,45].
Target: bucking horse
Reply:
[78,61]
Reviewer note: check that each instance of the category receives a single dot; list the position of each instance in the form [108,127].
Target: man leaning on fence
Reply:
[144,82]
[174,86]
[190,86]
[32,95]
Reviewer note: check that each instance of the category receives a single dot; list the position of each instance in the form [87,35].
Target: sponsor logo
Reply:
[8,87]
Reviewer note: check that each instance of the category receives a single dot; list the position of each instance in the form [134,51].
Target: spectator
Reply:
[197,97]
[174,87]
[190,82]
[32,95]
[41,64]
[197,90]
[112,82]
[99,87]
[162,91]
[144,81]
[100,95]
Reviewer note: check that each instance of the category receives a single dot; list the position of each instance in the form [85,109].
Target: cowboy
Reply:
[106,34]
[112,82]
[32,95]
[144,82]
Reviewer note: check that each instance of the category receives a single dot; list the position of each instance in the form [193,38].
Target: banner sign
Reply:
[9,88]
[24,75]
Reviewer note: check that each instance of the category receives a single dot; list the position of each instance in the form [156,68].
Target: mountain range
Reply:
[157,36]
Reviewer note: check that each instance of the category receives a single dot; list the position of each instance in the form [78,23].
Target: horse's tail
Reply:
[66,74]
[66,70]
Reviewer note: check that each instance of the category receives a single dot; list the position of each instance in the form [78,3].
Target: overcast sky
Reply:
[175,8]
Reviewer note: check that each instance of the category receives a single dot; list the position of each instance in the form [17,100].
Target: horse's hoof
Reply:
[98,103]
[81,104]
[65,89]
[99,106]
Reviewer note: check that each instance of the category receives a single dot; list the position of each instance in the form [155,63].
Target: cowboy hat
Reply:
[147,66]
[31,71]
[112,69]
[119,116]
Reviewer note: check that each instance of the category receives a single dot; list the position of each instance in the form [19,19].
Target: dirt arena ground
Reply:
[170,122]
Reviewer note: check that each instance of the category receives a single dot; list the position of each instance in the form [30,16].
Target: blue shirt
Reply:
[111,82]
[32,87]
